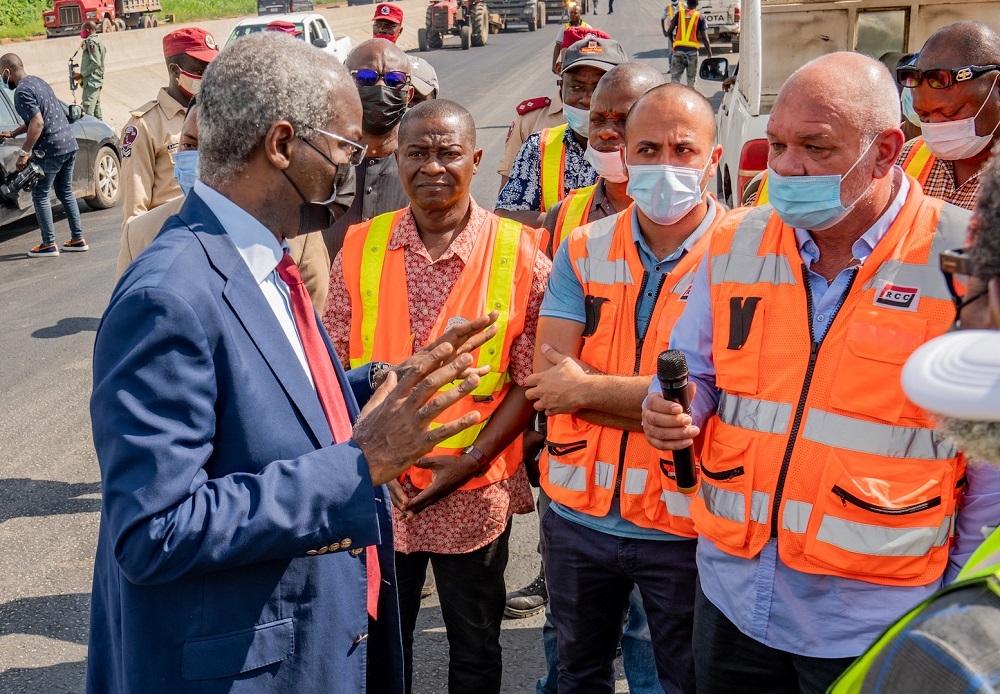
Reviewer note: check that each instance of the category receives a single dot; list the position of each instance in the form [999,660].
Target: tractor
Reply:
[468,19]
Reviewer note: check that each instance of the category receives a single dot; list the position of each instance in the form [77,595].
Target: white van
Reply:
[778,36]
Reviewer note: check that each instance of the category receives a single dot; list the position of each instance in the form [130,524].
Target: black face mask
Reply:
[317,216]
[383,107]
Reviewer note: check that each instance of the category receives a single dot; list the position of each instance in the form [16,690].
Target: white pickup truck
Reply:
[722,18]
[779,36]
[312,28]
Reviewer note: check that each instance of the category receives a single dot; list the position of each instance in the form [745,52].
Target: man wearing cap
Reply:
[381,72]
[551,163]
[827,504]
[959,122]
[424,79]
[540,112]
[950,642]
[151,136]
[284,27]
[388,22]
[575,20]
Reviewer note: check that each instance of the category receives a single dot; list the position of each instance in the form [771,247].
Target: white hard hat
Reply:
[957,375]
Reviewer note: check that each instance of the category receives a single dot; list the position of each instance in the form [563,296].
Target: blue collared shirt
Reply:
[261,252]
[565,298]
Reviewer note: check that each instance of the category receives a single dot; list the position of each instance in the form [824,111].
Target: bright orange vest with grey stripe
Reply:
[687,29]
[918,165]
[552,155]
[574,212]
[585,465]
[496,278]
[815,443]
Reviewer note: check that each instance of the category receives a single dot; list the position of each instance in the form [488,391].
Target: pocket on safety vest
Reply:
[877,519]
[877,344]
[737,337]
[598,332]
[569,468]
[725,504]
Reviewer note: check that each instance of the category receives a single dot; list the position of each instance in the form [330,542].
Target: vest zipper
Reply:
[638,363]
[846,496]
[801,406]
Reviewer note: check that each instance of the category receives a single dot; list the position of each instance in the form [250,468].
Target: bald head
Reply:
[377,54]
[844,89]
[10,61]
[438,111]
[960,44]
[675,100]
[631,78]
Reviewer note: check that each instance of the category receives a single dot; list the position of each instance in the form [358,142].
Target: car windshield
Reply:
[248,29]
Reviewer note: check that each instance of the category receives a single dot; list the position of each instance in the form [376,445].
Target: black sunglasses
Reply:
[957,262]
[940,78]
[396,79]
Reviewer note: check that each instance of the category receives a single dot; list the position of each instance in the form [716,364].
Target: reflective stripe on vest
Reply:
[574,212]
[762,196]
[583,461]
[687,29]
[982,569]
[816,444]
[552,152]
[919,161]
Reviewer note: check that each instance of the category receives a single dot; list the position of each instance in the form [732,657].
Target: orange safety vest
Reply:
[552,155]
[687,29]
[574,212]
[816,444]
[919,161]
[918,165]
[497,277]
[585,465]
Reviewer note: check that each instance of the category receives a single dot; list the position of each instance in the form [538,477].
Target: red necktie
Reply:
[327,388]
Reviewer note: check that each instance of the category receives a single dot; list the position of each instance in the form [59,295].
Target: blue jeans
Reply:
[590,576]
[58,172]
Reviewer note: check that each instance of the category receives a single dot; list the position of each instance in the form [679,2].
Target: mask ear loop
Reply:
[986,101]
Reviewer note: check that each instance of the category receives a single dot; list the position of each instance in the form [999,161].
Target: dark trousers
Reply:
[472,593]
[729,662]
[590,575]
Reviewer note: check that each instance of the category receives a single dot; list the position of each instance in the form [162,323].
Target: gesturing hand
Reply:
[464,338]
[557,390]
[393,430]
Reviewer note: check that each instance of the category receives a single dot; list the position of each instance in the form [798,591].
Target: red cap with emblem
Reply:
[285,27]
[192,41]
[573,34]
[388,12]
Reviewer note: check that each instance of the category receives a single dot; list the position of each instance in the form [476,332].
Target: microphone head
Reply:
[671,365]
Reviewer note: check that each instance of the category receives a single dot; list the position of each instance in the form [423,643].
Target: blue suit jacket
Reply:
[219,475]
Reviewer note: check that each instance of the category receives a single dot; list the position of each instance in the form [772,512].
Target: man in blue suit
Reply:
[239,510]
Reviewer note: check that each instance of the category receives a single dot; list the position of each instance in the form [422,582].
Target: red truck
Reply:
[66,17]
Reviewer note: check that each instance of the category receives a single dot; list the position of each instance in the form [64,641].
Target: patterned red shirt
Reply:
[467,519]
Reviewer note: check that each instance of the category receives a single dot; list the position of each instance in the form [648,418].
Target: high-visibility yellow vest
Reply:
[687,29]
[573,212]
[850,479]
[982,569]
[552,152]
[497,277]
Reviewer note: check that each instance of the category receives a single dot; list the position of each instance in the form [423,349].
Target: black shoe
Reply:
[527,601]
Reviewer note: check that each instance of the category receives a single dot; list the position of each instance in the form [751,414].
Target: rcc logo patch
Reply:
[897,296]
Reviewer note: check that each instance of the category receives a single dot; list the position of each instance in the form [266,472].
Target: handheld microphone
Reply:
[672,372]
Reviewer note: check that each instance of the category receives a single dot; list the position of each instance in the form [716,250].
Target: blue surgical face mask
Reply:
[186,169]
[906,103]
[578,120]
[811,202]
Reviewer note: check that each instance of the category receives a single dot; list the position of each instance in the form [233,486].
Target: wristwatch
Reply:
[477,455]
[22,153]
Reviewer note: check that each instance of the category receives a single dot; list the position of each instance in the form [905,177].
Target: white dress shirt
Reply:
[261,252]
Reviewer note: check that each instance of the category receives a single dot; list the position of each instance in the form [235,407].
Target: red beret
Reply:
[286,27]
[573,34]
[389,12]
[192,41]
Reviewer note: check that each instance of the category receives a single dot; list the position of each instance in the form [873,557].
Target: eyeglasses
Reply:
[940,78]
[957,262]
[396,79]
[355,150]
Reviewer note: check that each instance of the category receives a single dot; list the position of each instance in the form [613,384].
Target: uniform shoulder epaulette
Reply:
[143,110]
[529,105]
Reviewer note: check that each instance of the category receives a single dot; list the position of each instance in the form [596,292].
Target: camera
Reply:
[16,181]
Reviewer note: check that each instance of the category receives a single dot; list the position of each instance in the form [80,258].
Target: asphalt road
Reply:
[49,312]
